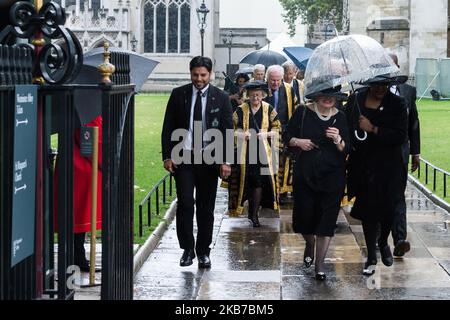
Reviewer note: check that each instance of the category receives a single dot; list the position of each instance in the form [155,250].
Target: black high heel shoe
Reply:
[321,276]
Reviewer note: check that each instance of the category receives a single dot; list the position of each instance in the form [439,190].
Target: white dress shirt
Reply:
[394,90]
[188,141]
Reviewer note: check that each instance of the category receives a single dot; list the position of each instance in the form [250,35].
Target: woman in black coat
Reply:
[318,134]
[375,169]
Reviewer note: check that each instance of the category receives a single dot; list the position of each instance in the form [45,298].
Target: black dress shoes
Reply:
[321,276]
[187,257]
[82,263]
[254,221]
[402,247]
[386,256]
[204,262]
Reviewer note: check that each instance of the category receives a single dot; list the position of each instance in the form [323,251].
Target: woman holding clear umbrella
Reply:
[318,135]
[375,168]
[378,129]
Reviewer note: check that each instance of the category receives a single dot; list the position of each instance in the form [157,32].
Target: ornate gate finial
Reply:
[58,62]
[106,68]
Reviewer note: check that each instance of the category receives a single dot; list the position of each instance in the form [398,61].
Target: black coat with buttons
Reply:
[375,166]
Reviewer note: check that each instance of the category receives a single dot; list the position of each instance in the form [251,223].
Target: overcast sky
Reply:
[253,14]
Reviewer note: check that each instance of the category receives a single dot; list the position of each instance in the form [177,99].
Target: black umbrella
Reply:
[140,66]
[265,57]
[88,102]
[245,70]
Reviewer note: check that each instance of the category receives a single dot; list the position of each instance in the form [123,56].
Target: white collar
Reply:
[203,91]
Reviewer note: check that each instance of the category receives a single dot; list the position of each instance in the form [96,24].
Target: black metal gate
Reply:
[40,275]
[118,201]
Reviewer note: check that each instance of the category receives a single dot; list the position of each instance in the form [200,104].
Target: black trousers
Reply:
[203,179]
[399,226]
[79,251]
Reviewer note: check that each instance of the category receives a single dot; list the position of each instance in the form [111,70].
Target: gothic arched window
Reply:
[167,26]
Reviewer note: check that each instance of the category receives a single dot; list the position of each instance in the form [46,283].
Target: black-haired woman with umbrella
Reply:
[375,169]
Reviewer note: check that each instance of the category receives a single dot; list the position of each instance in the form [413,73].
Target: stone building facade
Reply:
[411,28]
[164,30]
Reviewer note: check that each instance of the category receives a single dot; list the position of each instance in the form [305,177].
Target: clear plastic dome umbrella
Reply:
[347,60]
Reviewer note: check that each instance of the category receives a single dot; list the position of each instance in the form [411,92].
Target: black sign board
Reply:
[24,179]
[86,141]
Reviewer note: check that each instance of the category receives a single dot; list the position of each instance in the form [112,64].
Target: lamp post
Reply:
[228,41]
[133,43]
[268,43]
[202,12]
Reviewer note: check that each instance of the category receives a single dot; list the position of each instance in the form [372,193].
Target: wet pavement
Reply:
[267,263]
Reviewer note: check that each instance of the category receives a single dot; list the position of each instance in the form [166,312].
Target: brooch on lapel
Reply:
[215,110]
[215,123]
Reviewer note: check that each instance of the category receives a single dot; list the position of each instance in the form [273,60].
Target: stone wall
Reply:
[429,29]
[386,21]
[173,69]
[243,43]
[363,12]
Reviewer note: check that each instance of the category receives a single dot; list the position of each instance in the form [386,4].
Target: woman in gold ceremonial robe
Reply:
[254,174]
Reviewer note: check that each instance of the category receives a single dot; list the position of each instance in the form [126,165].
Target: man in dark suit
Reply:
[290,72]
[410,147]
[194,109]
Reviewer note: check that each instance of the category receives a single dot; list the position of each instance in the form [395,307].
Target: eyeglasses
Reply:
[255,95]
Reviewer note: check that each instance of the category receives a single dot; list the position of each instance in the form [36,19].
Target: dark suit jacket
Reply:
[218,115]
[295,87]
[410,94]
[282,111]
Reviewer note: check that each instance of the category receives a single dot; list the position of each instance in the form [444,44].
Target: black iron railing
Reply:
[118,188]
[16,65]
[148,200]
[434,176]
[56,64]
[58,118]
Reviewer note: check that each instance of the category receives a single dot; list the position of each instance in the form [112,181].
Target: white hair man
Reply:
[259,71]
[290,72]
[282,98]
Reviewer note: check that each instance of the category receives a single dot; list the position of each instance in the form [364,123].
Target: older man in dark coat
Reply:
[282,98]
